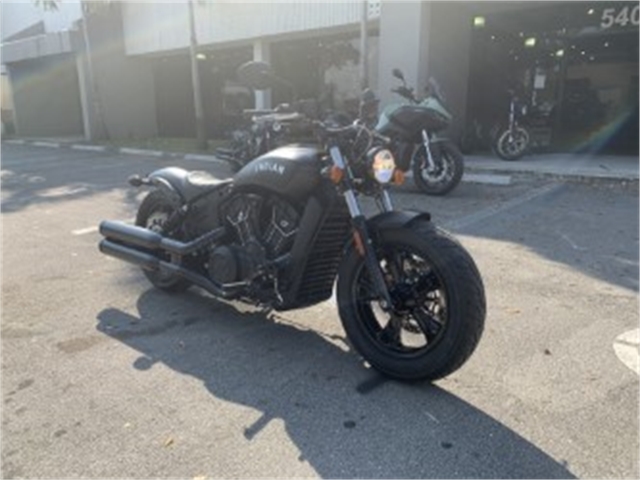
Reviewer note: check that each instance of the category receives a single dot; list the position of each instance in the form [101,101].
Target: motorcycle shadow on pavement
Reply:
[344,419]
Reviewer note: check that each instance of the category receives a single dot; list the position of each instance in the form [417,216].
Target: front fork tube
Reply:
[361,237]
[427,147]
[364,246]
[512,120]
[384,201]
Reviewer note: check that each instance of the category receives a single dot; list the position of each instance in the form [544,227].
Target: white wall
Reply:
[17,15]
[161,26]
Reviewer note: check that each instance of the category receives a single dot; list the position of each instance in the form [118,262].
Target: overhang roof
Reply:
[38,46]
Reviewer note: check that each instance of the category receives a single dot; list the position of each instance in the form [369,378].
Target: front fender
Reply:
[395,220]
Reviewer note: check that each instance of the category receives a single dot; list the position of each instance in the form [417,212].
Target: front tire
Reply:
[153,214]
[439,304]
[447,171]
[512,145]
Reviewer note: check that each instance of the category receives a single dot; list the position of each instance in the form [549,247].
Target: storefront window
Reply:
[575,64]
[324,68]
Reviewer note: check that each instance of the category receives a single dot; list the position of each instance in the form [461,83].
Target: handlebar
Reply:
[278,117]
[405,92]
[349,129]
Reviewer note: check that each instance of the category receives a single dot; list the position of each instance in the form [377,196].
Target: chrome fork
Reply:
[426,142]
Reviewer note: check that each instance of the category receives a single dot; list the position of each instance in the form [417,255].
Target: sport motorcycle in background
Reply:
[414,129]
[288,227]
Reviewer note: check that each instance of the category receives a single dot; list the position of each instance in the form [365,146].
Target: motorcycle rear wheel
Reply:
[153,214]
[439,304]
[447,173]
[511,146]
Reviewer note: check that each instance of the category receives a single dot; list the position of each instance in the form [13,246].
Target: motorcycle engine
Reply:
[264,228]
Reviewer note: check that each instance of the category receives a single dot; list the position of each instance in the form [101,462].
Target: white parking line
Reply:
[95,228]
[487,178]
[46,144]
[139,151]
[626,348]
[89,148]
[85,231]
[461,223]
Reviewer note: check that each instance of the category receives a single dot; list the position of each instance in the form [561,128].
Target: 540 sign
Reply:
[620,17]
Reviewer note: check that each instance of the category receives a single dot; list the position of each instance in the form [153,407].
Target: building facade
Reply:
[575,64]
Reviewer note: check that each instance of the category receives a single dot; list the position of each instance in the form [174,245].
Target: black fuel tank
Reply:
[292,171]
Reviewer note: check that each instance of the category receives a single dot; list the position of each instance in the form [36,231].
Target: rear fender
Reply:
[169,180]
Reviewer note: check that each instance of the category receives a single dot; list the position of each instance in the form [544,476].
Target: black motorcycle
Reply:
[527,129]
[286,226]
[512,141]
[414,130]
[267,130]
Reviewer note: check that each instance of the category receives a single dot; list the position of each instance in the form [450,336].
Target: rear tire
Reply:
[435,336]
[449,166]
[153,214]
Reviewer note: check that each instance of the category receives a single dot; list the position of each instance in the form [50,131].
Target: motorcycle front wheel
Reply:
[446,172]
[438,309]
[511,145]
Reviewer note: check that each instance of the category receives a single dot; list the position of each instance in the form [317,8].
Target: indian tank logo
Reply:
[269,167]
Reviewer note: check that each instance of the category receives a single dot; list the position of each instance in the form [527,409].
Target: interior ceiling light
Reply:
[478,22]
[530,42]
[201,56]
[591,11]
[560,53]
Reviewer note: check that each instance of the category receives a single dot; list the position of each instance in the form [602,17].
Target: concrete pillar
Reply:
[85,103]
[262,53]
[16,124]
[403,44]
[449,56]
[427,39]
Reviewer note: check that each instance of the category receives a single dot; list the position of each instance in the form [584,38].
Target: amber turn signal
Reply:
[357,241]
[398,177]
[336,174]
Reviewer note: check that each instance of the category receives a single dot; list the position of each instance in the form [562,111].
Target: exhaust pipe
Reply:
[142,237]
[151,262]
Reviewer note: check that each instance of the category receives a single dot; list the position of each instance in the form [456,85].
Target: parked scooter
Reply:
[414,130]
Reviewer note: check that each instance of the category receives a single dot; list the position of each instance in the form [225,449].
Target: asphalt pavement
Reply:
[105,377]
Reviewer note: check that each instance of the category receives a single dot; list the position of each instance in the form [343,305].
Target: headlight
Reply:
[382,164]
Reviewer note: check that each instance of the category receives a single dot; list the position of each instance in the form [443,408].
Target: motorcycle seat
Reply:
[198,182]
[188,184]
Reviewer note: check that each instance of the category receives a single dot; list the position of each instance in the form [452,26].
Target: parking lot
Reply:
[103,376]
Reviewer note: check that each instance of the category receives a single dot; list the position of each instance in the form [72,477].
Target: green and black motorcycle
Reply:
[414,129]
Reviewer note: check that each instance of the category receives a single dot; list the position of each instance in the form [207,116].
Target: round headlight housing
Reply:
[382,163]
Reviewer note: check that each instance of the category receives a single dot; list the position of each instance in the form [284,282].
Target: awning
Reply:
[41,46]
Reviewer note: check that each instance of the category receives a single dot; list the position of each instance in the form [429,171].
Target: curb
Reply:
[579,177]
[118,150]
